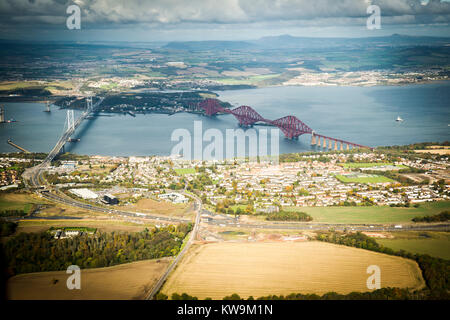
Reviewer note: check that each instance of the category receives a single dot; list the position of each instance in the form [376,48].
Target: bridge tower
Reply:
[89,104]
[47,107]
[70,120]
[2,113]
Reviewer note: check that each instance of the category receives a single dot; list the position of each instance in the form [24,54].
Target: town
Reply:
[360,178]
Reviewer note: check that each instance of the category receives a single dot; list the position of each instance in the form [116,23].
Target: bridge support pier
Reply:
[313,139]
[324,144]
[342,146]
[348,146]
[335,145]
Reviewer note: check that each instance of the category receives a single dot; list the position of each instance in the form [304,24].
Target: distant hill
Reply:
[209,45]
[288,41]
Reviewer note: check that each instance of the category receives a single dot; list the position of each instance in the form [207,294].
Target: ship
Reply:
[399,119]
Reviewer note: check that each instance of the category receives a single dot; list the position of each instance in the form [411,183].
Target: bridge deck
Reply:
[66,135]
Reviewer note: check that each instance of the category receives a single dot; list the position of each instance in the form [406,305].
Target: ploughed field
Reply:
[121,282]
[257,269]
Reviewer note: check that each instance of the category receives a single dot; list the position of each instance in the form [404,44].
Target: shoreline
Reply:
[33,99]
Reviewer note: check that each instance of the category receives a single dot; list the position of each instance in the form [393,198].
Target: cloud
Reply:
[113,13]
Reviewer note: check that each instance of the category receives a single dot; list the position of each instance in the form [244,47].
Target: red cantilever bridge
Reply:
[291,126]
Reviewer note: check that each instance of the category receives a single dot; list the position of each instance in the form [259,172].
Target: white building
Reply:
[84,193]
[174,197]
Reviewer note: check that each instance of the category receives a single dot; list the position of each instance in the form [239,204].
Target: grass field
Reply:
[62,210]
[122,282]
[436,244]
[261,268]
[14,201]
[363,178]
[370,164]
[182,171]
[36,225]
[375,214]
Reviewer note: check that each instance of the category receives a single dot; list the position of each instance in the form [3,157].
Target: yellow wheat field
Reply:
[258,269]
[121,282]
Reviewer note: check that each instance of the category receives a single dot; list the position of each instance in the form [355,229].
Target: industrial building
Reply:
[84,193]
[174,197]
[110,199]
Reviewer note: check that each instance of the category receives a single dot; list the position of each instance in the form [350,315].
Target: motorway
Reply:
[37,181]
[192,237]
[327,226]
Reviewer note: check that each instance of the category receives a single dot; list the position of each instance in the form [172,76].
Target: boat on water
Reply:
[399,119]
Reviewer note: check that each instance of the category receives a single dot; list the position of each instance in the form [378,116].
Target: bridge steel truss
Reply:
[291,126]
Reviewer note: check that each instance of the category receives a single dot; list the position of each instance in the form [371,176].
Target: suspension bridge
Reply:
[70,126]
[291,126]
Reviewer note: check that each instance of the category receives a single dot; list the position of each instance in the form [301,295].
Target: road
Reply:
[226,221]
[37,181]
[192,236]
[338,227]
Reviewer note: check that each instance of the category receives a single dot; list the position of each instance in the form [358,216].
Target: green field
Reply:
[373,178]
[18,85]
[369,164]
[11,201]
[374,214]
[182,171]
[436,244]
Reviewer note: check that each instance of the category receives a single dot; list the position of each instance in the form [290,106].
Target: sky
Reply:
[187,20]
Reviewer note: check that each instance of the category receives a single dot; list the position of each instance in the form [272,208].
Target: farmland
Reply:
[122,282]
[262,268]
[436,244]
[373,214]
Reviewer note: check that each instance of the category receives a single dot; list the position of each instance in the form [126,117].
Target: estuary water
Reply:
[363,115]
